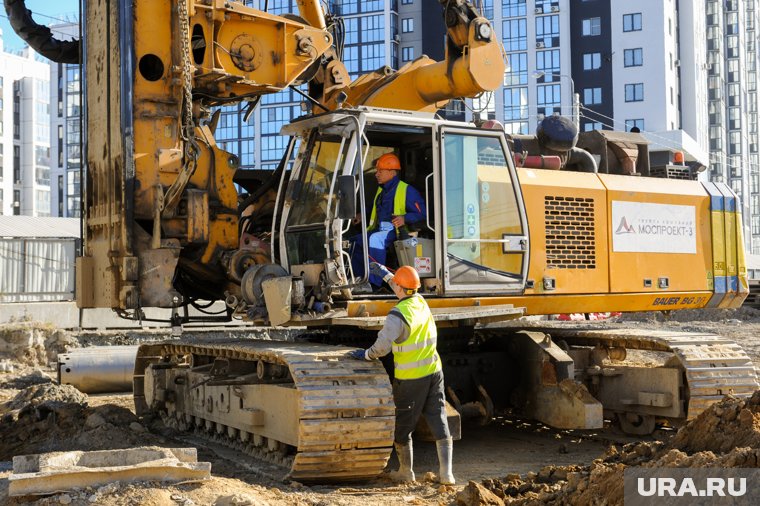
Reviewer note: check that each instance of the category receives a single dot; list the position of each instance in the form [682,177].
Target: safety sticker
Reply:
[423,265]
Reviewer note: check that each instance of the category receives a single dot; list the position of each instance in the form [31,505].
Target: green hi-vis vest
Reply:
[399,204]
[417,356]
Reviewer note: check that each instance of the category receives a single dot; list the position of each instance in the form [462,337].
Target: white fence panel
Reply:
[35,270]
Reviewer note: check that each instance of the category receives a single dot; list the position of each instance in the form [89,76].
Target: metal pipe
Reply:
[584,160]
[538,161]
[98,369]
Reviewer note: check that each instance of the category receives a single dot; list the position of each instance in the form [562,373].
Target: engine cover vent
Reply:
[570,237]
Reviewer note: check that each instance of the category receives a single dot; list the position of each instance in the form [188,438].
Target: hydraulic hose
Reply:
[39,37]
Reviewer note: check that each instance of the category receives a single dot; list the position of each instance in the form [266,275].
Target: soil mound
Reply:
[725,435]
[36,377]
[52,417]
[728,424]
[49,393]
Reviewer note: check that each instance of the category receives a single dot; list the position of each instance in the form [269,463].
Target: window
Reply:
[512,8]
[592,96]
[632,22]
[73,197]
[42,202]
[464,155]
[733,70]
[592,61]
[735,143]
[634,92]
[548,62]
[517,72]
[407,25]
[515,34]
[734,118]
[515,104]
[590,126]
[633,57]
[549,100]
[407,54]
[1,162]
[634,123]
[16,164]
[342,7]
[16,202]
[17,109]
[373,28]
[372,55]
[592,26]
[407,2]
[60,145]
[547,31]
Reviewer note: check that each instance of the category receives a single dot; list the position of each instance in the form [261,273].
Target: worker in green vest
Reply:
[396,205]
[409,331]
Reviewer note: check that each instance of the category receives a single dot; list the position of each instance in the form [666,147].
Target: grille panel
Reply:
[570,236]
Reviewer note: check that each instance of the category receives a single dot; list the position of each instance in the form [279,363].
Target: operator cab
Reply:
[474,239]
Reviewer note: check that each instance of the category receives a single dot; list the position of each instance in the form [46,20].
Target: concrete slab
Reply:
[50,473]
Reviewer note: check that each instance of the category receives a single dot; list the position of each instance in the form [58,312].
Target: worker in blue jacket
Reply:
[396,204]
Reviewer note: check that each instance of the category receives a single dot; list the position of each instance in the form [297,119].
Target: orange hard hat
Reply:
[407,277]
[388,161]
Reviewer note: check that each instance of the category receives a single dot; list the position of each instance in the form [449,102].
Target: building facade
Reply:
[24,134]
[538,80]
[732,60]
[65,137]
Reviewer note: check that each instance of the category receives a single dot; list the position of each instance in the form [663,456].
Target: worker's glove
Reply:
[357,354]
[380,271]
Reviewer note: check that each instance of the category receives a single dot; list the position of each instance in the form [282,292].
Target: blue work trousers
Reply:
[380,239]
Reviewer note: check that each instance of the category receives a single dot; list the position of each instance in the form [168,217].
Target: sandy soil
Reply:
[37,416]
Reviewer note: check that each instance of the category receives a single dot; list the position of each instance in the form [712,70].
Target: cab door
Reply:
[484,243]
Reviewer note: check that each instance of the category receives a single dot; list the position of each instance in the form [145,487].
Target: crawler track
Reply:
[328,418]
[713,366]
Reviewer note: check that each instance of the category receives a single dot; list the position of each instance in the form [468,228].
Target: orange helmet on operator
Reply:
[388,161]
[406,277]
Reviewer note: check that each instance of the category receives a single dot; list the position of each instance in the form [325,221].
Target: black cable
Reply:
[200,309]
[195,304]
[309,98]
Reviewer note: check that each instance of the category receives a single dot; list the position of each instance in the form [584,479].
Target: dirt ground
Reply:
[516,461]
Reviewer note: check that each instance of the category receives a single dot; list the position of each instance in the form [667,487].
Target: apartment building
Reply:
[24,134]
[65,138]
[732,60]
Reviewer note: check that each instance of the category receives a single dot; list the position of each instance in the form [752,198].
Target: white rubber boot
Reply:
[406,460]
[445,449]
